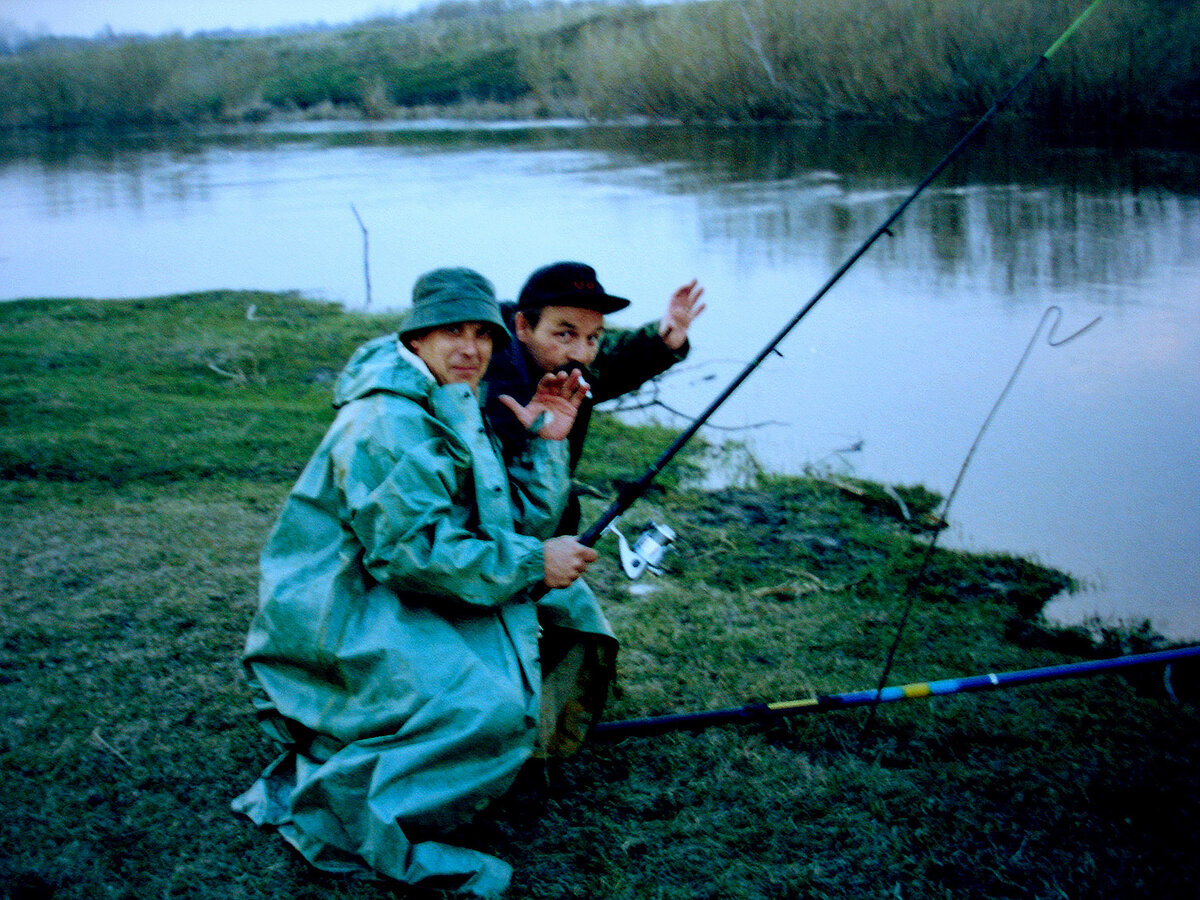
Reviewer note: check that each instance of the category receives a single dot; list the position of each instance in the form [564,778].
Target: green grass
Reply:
[139,483]
[187,387]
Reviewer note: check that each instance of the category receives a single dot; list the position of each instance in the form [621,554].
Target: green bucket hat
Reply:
[453,295]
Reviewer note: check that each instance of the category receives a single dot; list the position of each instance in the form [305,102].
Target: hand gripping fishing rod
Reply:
[759,712]
[632,492]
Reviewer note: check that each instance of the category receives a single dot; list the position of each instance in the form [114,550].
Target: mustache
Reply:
[568,368]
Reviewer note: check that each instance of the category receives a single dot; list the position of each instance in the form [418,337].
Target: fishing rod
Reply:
[630,493]
[760,712]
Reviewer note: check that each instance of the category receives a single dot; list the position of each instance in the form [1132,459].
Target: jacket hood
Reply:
[382,365]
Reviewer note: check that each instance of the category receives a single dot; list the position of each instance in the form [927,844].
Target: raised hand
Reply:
[682,311]
[554,403]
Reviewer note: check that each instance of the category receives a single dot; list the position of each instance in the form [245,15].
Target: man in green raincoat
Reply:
[397,654]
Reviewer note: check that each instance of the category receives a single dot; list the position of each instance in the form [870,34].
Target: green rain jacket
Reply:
[395,653]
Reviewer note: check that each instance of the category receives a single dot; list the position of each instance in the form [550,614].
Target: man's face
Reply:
[456,353]
[563,335]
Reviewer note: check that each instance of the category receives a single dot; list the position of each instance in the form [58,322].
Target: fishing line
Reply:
[1054,312]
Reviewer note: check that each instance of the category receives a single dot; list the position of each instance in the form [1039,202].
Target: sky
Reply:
[86,18]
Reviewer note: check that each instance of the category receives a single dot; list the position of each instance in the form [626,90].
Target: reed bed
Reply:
[1135,63]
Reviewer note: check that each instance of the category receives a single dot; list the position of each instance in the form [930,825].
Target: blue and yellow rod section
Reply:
[756,712]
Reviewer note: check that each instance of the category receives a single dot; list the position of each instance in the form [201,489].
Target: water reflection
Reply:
[1091,465]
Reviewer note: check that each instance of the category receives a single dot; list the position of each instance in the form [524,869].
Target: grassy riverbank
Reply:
[145,447]
[1135,63]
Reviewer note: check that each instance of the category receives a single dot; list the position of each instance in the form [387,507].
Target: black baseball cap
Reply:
[568,284]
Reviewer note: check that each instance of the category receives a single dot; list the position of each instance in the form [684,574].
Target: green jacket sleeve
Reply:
[430,521]
[628,358]
[540,484]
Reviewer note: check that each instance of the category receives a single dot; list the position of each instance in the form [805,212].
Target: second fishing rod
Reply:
[633,491]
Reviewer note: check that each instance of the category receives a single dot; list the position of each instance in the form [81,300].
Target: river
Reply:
[1088,462]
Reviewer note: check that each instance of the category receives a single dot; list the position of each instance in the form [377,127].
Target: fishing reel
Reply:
[647,550]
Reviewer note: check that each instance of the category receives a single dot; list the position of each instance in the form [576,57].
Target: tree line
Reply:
[1135,64]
